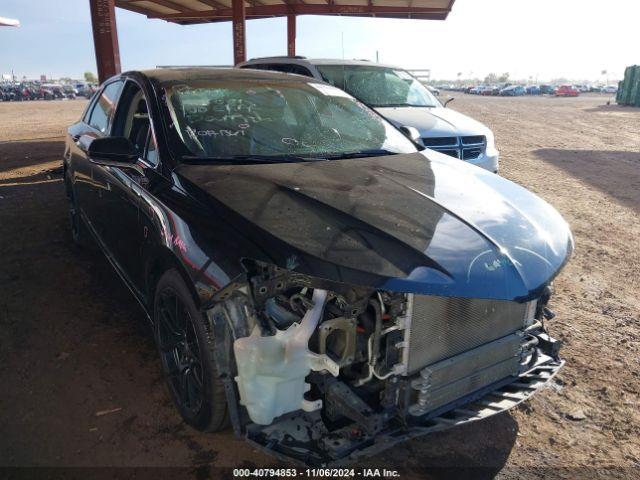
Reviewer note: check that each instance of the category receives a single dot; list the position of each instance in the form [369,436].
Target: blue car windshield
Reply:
[224,119]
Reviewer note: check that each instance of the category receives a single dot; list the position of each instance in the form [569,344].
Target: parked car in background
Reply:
[69,91]
[533,90]
[46,93]
[547,89]
[402,99]
[89,90]
[609,89]
[433,90]
[566,91]
[311,275]
[513,91]
[10,93]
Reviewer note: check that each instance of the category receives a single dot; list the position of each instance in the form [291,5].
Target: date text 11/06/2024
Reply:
[315,473]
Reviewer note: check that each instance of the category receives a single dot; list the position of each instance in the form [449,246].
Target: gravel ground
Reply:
[81,381]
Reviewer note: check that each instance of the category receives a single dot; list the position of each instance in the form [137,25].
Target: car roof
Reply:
[333,61]
[169,75]
[318,61]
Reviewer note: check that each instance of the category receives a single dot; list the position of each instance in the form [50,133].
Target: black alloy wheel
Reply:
[179,351]
[186,357]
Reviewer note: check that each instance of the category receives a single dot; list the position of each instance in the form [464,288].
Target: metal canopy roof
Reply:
[187,12]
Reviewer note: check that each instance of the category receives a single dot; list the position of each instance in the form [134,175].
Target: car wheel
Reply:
[187,356]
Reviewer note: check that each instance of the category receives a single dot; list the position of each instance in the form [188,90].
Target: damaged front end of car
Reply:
[321,372]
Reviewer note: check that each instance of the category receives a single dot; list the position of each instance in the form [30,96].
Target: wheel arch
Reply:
[159,260]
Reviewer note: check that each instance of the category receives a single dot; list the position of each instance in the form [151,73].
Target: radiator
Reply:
[442,327]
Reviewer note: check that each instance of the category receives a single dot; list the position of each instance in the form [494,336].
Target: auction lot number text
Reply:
[315,473]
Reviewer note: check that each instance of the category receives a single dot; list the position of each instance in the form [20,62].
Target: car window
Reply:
[151,155]
[379,86]
[300,70]
[282,67]
[104,107]
[275,118]
[132,118]
[279,67]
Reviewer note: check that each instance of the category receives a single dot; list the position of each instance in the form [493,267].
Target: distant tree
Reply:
[491,79]
[504,77]
[90,77]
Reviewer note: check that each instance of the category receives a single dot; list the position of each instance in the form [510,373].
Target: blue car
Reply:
[533,90]
[513,91]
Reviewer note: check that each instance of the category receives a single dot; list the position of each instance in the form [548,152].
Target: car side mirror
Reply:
[448,101]
[412,134]
[111,151]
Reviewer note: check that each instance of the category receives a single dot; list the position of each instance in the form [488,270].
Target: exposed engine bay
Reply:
[321,372]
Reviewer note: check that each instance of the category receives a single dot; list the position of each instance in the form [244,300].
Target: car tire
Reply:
[187,356]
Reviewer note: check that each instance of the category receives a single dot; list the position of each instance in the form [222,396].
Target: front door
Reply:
[120,201]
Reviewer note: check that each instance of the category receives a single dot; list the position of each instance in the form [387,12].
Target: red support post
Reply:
[291,35]
[105,38]
[239,32]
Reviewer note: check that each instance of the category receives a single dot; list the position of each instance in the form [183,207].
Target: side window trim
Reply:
[89,108]
[145,159]
[95,102]
[151,136]
[92,105]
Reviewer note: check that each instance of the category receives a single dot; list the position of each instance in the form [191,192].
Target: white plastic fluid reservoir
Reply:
[272,370]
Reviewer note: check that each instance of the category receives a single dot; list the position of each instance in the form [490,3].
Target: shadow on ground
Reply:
[29,153]
[616,173]
[614,108]
[477,450]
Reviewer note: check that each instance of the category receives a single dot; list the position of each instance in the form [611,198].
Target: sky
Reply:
[530,39]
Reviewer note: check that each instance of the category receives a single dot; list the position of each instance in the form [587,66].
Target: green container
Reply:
[619,92]
[628,90]
[629,77]
[635,94]
[633,85]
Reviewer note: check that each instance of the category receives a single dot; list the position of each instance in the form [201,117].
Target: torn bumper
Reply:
[339,449]
[490,401]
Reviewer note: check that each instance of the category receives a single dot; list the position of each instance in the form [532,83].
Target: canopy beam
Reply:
[239,20]
[105,38]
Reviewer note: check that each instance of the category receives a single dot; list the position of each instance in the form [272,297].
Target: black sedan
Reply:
[313,276]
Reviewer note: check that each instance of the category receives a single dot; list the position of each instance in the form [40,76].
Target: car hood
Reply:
[433,122]
[416,223]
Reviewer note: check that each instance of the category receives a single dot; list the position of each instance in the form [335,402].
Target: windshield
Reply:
[379,86]
[279,120]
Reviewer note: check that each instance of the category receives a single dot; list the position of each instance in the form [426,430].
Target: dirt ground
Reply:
[74,344]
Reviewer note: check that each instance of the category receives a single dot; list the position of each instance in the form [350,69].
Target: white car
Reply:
[609,89]
[402,99]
